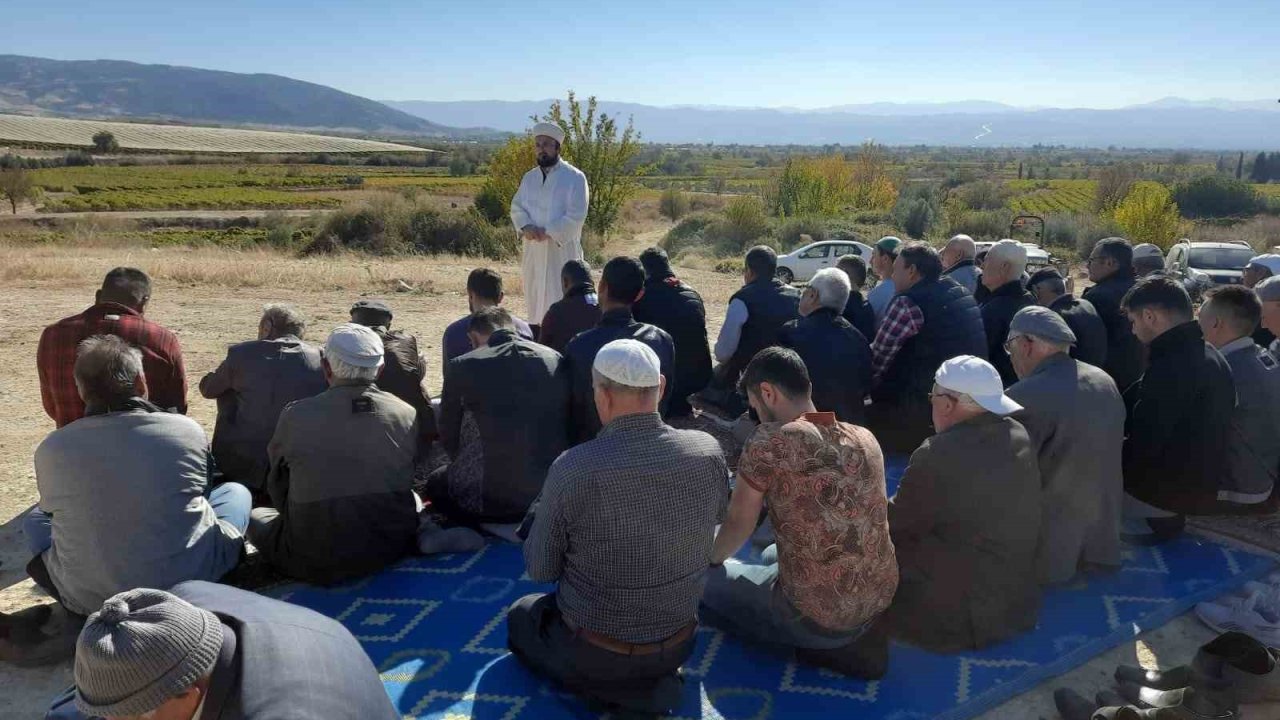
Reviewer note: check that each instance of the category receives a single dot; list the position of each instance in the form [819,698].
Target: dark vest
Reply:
[952,327]
[770,305]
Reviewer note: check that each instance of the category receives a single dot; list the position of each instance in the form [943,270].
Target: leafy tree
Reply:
[597,147]
[506,168]
[16,185]
[1259,173]
[916,211]
[1213,196]
[1273,166]
[459,167]
[1240,167]
[1114,184]
[1148,214]
[105,142]
[673,204]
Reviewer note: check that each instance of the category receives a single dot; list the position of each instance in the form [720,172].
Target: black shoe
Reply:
[1073,706]
[1173,679]
[866,658]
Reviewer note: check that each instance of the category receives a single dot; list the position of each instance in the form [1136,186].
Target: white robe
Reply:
[557,204]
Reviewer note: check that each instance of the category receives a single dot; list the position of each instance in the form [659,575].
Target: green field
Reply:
[1044,197]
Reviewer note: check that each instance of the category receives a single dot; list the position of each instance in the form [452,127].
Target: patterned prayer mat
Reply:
[1262,531]
[435,627]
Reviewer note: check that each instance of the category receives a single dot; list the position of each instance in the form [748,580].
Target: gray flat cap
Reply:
[1043,323]
[1268,290]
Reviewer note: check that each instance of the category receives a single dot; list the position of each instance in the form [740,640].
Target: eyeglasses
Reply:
[1008,344]
[934,395]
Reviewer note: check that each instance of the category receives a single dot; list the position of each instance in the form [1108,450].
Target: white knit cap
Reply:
[978,379]
[550,130]
[355,345]
[630,363]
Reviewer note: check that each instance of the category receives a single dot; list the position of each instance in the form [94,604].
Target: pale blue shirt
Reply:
[879,298]
[731,332]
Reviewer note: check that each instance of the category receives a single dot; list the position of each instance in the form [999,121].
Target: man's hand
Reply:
[533,232]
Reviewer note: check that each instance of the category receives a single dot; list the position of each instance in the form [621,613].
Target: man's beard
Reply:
[546,161]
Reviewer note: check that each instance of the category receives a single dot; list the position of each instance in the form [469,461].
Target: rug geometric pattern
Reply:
[436,630]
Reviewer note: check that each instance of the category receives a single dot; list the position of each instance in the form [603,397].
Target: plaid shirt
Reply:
[164,377]
[625,525]
[901,322]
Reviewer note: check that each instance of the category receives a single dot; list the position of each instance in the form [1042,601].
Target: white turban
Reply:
[550,130]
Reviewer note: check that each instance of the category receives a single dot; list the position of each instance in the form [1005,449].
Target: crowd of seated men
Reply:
[1043,429]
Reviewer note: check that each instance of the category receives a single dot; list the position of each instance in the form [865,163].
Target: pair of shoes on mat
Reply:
[1257,615]
[1233,662]
[1184,704]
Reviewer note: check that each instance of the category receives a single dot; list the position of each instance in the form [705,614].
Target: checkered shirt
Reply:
[901,322]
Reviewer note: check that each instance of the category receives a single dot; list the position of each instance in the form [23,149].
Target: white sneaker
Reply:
[1254,616]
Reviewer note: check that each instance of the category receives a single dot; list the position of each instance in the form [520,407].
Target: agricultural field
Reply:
[1043,197]
[24,131]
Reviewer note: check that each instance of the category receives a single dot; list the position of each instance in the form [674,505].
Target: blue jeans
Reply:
[231,503]
[745,600]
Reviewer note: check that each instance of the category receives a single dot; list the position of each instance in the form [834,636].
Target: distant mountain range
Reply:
[1165,123]
[113,89]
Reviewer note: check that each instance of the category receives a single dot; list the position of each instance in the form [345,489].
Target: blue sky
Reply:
[799,53]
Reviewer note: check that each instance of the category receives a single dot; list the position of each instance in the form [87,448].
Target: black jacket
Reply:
[677,308]
[839,362]
[577,311]
[1179,423]
[860,315]
[952,327]
[998,310]
[402,374]
[616,324]
[1091,334]
[1124,352]
[517,391]
[770,305]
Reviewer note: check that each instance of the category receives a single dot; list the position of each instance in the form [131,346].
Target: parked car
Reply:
[801,264]
[1201,265]
[1037,257]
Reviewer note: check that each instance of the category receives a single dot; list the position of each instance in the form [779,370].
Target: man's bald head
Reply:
[958,249]
[126,286]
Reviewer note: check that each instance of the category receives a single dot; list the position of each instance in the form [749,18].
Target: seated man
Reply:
[883,259]
[1268,292]
[1111,271]
[835,354]
[672,305]
[621,284]
[1228,318]
[755,315]
[253,385]
[1050,290]
[124,495]
[966,519]
[857,310]
[484,289]
[1147,259]
[1177,435]
[1260,268]
[404,369]
[504,420]
[624,528]
[341,479]
[577,311]
[833,570]
[211,651]
[931,320]
[1002,277]
[1075,417]
[117,310]
[957,258]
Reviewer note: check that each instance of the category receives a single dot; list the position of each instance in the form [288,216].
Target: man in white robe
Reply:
[548,211]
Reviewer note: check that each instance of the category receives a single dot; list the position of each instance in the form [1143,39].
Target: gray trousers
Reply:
[538,636]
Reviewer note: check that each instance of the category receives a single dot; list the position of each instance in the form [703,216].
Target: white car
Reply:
[801,265]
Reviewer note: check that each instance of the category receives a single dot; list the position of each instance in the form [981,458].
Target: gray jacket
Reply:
[1075,417]
[252,386]
[965,273]
[126,492]
[1253,454]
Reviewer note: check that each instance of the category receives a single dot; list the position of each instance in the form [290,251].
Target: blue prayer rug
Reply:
[436,630]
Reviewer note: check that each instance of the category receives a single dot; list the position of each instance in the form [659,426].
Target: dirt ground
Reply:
[208,316]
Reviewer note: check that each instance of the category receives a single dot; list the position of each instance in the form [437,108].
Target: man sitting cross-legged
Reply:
[966,519]
[341,472]
[124,495]
[624,527]
[578,311]
[835,353]
[833,569]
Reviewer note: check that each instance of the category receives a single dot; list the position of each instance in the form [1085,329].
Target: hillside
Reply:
[1171,123]
[107,89]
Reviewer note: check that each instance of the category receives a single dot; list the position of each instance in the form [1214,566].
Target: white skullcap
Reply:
[355,345]
[978,379]
[550,130]
[630,363]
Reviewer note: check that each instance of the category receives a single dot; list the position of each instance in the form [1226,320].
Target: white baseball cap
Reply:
[630,363]
[355,345]
[978,379]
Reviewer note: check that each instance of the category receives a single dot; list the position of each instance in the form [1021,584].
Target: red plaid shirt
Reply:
[165,378]
[901,322]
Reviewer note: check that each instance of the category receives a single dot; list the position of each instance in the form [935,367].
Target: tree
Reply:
[16,185]
[1259,173]
[1031,173]
[1114,184]
[1221,166]
[1213,196]
[1273,166]
[1240,167]
[1019,171]
[603,153]
[1148,214]
[105,142]
[673,204]
[506,168]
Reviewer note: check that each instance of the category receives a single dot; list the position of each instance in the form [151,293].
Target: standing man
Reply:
[548,212]
[624,527]
[957,257]
[1111,270]
[1002,277]
[1050,290]
[670,304]
[882,259]
[118,310]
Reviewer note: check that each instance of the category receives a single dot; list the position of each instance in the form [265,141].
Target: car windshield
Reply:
[1220,258]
